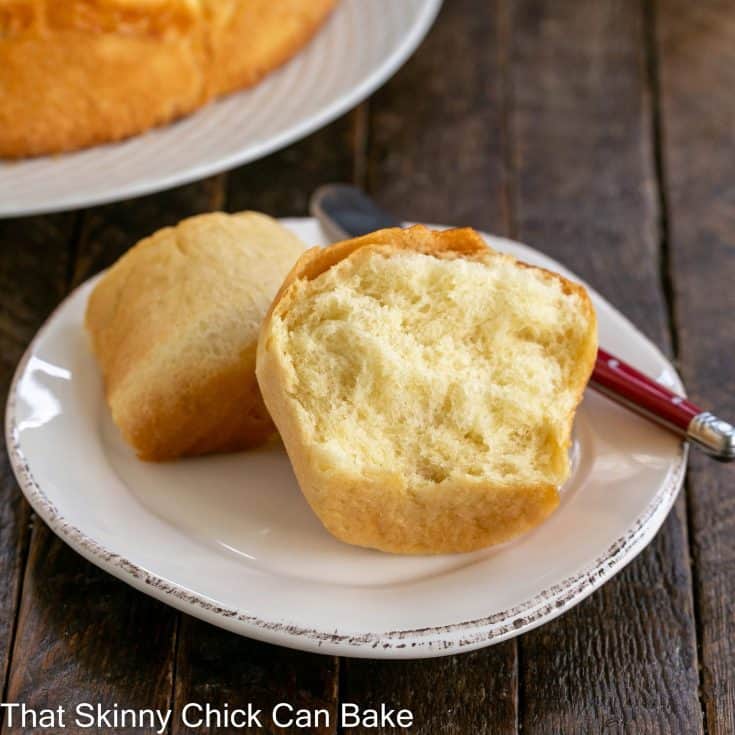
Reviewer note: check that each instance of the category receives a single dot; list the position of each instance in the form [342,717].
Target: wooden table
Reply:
[600,131]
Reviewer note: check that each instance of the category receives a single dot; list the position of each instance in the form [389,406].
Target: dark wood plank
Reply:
[696,50]
[281,184]
[224,669]
[84,637]
[437,154]
[625,660]
[437,133]
[81,634]
[213,665]
[34,263]
[469,693]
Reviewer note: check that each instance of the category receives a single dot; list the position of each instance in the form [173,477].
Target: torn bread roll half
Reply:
[425,387]
[174,326]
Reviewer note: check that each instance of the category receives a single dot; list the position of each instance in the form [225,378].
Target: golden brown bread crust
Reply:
[81,72]
[174,325]
[381,513]
[462,241]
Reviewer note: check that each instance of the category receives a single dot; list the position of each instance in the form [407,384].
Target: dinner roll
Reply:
[425,387]
[74,73]
[174,326]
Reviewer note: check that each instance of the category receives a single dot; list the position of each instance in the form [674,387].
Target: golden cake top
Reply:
[135,17]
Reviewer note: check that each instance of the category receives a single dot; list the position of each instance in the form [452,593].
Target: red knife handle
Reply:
[631,388]
[612,375]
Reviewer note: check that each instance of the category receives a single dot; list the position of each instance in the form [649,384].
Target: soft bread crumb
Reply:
[438,388]
[435,368]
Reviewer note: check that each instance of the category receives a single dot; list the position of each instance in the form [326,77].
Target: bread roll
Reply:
[174,326]
[425,386]
[74,73]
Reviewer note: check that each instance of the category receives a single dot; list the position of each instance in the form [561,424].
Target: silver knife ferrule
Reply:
[715,436]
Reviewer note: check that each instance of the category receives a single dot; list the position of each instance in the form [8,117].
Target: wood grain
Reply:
[85,637]
[437,134]
[695,45]
[436,154]
[214,665]
[470,693]
[281,184]
[625,660]
[224,669]
[34,253]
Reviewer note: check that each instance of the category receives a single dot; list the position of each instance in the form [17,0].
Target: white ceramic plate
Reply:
[231,540]
[361,45]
